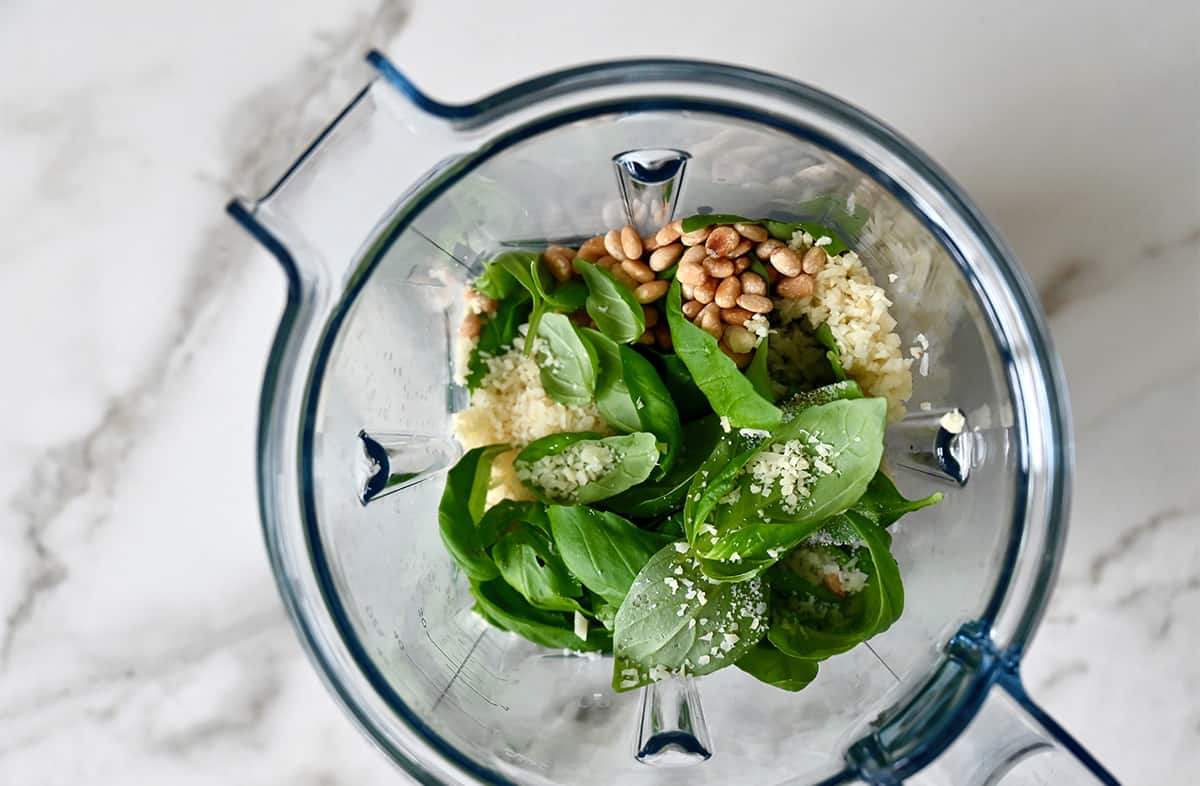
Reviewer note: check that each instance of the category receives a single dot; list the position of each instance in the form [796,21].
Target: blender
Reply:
[386,217]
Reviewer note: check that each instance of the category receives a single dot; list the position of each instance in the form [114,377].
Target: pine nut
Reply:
[756,303]
[718,267]
[721,241]
[581,318]
[667,235]
[665,256]
[752,284]
[705,292]
[736,316]
[741,249]
[651,291]
[814,260]
[471,325]
[694,254]
[692,308]
[662,335]
[676,226]
[795,287]
[646,338]
[739,339]
[786,261]
[558,262]
[650,315]
[740,264]
[709,320]
[631,242]
[695,237]
[727,293]
[755,233]
[479,303]
[767,248]
[638,271]
[592,249]
[772,275]
[649,243]
[742,359]
[686,290]
[612,244]
[606,263]
[691,273]
[623,278]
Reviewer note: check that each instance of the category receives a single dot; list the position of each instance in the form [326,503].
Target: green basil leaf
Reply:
[506,516]
[689,399]
[566,297]
[838,391]
[757,372]
[674,619]
[671,527]
[495,338]
[813,617]
[824,334]
[716,478]
[727,390]
[529,562]
[498,283]
[612,394]
[663,495]
[461,509]
[692,223]
[783,230]
[653,403]
[767,664]
[567,364]
[611,306]
[613,463]
[882,504]
[506,608]
[601,549]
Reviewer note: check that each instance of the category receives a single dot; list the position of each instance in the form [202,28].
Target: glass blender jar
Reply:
[395,207]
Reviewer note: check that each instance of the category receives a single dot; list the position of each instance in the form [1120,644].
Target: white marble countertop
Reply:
[141,638]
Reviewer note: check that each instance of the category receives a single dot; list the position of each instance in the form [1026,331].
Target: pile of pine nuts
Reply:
[720,293]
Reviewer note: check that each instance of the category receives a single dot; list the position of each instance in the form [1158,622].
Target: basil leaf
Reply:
[461,509]
[814,617]
[825,335]
[671,527]
[496,336]
[882,504]
[653,403]
[757,372]
[528,561]
[611,306]
[497,283]
[601,549]
[726,389]
[656,497]
[606,613]
[838,391]
[612,394]
[716,477]
[767,664]
[692,223]
[613,464]
[783,230]
[689,400]
[567,297]
[567,365]
[674,619]
[505,607]
[506,516]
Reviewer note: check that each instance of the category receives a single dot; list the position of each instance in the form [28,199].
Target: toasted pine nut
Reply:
[662,335]
[705,292]
[666,236]
[665,256]
[739,339]
[558,262]
[735,316]
[766,248]
[631,242]
[695,237]
[471,325]
[718,267]
[741,249]
[606,263]
[581,318]
[479,303]
[786,261]
[691,273]
[752,283]
[651,291]
[741,263]
[592,249]
[814,260]
[727,293]
[649,243]
[742,359]
[676,226]
[650,315]
[756,303]
[772,275]
[795,287]
[694,254]
[692,308]
[612,244]
[639,271]
[755,233]
[646,337]
[709,320]
[686,290]
[622,277]
[721,241]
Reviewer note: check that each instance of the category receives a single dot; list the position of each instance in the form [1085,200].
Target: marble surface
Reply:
[141,638]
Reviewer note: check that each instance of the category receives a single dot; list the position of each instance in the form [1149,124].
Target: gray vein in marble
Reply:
[66,471]
[1064,672]
[1178,377]
[1128,539]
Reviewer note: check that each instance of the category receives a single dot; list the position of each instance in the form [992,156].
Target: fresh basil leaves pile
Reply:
[669,543]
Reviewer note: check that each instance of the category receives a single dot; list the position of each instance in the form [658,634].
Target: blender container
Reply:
[381,223]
